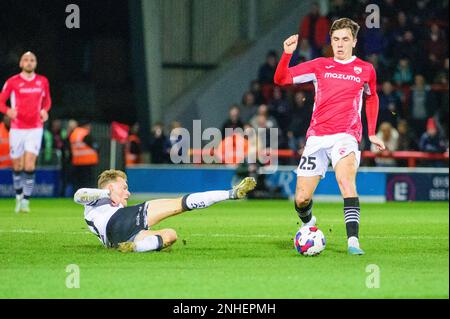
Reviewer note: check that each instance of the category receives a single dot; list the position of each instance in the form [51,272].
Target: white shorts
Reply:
[25,140]
[319,150]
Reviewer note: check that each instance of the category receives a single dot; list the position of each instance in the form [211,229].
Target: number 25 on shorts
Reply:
[308,163]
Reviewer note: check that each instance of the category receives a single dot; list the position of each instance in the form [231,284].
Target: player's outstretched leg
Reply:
[303,199]
[346,178]
[149,240]
[160,209]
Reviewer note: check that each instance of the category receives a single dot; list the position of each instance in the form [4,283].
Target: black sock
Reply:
[305,213]
[351,216]
[184,204]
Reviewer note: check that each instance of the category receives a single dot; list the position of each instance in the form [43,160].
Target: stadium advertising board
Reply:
[46,185]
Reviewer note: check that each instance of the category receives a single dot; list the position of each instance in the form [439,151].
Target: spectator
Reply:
[422,11]
[160,145]
[441,76]
[84,152]
[406,138]
[280,109]
[255,88]
[305,52]
[401,26]
[133,148]
[248,108]
[232,149]
[421,104]
[300,118]
[389,8]
[234,119]
[5,159]
[389,136]
[66,163]
[390,105]
[338,9]
[374,41]
[409,48]
[54,142]
[262,121]
[442,101]
[437,48]
[403,73]
[269,121]
[46,156]
[71,126]
[267,70]
[59,135]
[380,65]
[315,28]
[431,141]
[436,43]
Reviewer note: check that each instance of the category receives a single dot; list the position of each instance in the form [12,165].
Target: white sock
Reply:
[353,242]
[149,243]
[205,199]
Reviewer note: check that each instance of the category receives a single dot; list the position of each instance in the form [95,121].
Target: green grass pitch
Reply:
[231,250]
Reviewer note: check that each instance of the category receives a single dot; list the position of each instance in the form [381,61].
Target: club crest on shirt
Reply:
[357,69]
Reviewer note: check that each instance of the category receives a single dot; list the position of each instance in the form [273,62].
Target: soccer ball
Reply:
[309,241]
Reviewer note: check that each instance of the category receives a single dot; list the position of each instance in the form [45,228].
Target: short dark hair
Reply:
[345,23]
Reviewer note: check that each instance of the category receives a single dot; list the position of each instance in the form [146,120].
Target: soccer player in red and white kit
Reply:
[335,129]
[29,96]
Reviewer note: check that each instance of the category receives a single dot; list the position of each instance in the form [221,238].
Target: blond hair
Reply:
[345,23]
[108,176]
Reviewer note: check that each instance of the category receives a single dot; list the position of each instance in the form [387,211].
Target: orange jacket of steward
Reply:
[132,158]
[82,154]
[232,149]
[5,160]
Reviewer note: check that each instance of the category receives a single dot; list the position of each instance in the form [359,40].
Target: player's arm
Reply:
[88,196]
[46,101]
[372,105]
[301,73]
[4,96]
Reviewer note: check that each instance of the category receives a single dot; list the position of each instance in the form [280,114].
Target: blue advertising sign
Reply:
[46,184]
[417,187]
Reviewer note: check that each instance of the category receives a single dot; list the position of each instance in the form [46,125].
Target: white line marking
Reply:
[219,235]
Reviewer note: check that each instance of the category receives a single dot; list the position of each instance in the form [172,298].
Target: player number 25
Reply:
[308,160]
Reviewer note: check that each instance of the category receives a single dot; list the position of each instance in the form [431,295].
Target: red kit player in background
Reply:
[29,96]
[335,129]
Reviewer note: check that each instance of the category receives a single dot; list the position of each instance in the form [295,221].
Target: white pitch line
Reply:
[32,231]
[279,236]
